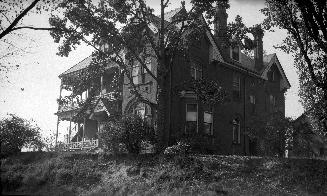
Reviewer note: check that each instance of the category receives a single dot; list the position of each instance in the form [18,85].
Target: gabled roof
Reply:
[169,15]
[79,66]
[247,62]
[285,84]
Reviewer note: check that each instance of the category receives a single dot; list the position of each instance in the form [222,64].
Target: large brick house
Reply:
[257,86]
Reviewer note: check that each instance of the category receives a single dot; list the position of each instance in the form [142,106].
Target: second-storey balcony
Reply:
[68,109]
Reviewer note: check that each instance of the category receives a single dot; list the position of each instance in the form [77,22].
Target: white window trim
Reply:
[197,116]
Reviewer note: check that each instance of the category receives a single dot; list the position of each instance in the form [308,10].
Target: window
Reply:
[147,89]
[135,74]
[196,71]
[191,118]
[207,121]
[235,53]
[272,100]
[252,101]
[140,110]
[273,76]
[148,64]
[236,131]
[236,87]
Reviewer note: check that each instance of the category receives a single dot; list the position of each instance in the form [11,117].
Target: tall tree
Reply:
[306,25]
[12,14]
[133,33]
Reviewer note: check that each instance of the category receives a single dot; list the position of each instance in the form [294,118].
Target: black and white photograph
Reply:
[163,97]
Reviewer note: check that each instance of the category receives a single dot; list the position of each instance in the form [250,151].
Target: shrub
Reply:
[64,176]
[131,131]
[16,133]
[11,180]
[270,133]
[181,148]
[85,174]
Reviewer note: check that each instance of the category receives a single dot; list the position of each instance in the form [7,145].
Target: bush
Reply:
[84,173]
[16,133]
[11,180]
[181,148]
[64,176]
[131,131]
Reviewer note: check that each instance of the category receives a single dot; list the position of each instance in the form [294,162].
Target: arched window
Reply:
[236,131]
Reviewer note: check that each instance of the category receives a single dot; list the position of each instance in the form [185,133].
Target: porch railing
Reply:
[86,145]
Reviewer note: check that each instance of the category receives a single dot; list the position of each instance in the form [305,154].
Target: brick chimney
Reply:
[220,30]
[258,50]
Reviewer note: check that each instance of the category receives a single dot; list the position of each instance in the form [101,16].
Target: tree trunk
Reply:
[162,113]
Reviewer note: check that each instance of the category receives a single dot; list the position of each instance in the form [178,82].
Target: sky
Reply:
[31,90]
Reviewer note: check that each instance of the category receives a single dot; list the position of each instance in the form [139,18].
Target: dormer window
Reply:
[235,53]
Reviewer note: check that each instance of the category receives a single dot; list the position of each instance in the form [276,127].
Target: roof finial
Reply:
[183,4]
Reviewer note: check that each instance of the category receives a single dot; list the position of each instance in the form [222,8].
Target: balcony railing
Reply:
[82,145]
[73,105]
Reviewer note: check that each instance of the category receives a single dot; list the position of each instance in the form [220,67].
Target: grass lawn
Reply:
[92,174]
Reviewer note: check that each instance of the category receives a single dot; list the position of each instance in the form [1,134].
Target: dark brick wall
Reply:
[222,114]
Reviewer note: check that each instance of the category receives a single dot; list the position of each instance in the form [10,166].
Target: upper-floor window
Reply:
[236,131]
[196,71]
[272,100]
[235,53]
[252,101]
[191,118]
[273,76]
[148,64]
[208,123]
[135,73]
[236,86]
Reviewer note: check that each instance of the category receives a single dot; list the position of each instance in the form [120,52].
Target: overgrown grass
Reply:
[90,174]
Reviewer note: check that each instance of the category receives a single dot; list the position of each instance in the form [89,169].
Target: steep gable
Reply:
[284,84]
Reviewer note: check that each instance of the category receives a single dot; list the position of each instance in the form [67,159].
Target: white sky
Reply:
[39,69]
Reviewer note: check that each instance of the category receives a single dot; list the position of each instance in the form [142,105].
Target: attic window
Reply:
[273,76]
[235,53]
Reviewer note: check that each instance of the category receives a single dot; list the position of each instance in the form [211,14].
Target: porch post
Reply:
[78,125]
[101,86]
[58,116]
[83,132]
[70,129]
